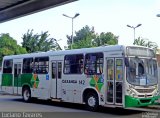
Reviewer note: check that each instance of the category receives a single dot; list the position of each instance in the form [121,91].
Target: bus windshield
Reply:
[142,71]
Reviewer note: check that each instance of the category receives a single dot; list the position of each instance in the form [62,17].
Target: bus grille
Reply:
[142,96]
[145,90]
[145,101]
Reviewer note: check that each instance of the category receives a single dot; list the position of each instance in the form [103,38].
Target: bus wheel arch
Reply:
[91,99]
[26,93]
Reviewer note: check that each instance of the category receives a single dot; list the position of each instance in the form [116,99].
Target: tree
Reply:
[39,42]
[106,39]
[146,43]
[86,37]
[83,38]
[9,46]
[152,45]
[139,41]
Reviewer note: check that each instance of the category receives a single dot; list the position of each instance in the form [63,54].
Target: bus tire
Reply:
[26,93]
[92,102]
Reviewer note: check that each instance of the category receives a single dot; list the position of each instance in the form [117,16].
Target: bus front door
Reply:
[56,70]
[114,81]
[17,75]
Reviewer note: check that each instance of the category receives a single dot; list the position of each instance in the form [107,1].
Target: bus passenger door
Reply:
[56,73]
[17,76]
[114,81]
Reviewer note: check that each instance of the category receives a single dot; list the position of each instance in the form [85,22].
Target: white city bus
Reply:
[111,76]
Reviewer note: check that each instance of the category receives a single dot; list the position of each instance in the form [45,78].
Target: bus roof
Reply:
[64,52]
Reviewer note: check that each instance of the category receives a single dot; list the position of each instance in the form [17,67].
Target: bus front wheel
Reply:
[26,94]
[91,102]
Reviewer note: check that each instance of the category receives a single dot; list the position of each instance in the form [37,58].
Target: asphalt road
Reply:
[46,109]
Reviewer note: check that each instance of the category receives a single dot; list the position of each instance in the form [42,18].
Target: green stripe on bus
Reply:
[7,79]
[26,79]
[23,79]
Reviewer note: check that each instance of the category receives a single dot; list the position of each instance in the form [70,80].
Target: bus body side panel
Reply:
[72,86]
[38,84]
[26,79]
[43,86]
[7,83]
[96,83]
[32,81]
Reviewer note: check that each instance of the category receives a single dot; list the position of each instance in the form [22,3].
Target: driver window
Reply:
[132,69]
[140,69]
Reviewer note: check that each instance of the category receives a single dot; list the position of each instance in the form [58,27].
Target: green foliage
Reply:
[82,39]
[39,42]
[139,41]
[106,39]
[9,46]
[146,43]
[86,37]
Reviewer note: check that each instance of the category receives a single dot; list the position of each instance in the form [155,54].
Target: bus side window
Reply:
[41,65]
[7,66]
[73,64]
[27,65]
[93,63]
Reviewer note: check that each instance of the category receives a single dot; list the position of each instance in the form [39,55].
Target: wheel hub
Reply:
[26,95]
[92,101]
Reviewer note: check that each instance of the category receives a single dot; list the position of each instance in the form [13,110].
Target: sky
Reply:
[103,15]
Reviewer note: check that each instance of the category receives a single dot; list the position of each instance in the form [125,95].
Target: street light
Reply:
[134,29]
[77,14]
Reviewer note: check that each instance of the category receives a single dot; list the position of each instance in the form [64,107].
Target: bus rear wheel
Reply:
[92,102]
[26,93]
